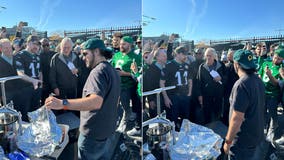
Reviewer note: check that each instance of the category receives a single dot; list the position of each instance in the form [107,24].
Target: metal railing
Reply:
[97,32]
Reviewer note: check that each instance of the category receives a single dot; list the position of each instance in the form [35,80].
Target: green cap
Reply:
[127,39]
[280,51]
[94,43]
[245,59]
[139,38]
[79,41]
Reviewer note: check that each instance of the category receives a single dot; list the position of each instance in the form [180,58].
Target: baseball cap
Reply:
[181,49]
[94,43]
[33,39]
[18,41]
[280,51]
[139,38]
[79,41]
[127,39]
[245,59]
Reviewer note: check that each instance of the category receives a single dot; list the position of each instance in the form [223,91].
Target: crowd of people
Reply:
[98,79]
[241,88]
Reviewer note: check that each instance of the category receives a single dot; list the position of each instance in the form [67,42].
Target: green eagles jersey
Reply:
[261,60]
[270,89]
[123,62]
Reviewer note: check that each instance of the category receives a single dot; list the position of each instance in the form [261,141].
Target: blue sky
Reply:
[54,15]
[213,19]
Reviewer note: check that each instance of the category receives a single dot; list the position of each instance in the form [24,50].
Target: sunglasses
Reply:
[85,53]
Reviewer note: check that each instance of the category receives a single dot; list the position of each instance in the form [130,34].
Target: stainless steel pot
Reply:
[10,127]
[158,134]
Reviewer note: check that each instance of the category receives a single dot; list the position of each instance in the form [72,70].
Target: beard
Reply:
[89,63]
[124,50]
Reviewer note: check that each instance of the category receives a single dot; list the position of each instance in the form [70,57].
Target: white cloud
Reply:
[194,17]
[47,9]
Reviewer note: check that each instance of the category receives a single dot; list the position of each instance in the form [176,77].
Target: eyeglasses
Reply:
[45,45]
[36,43]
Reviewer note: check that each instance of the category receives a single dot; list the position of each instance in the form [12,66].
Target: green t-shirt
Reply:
[270,89]
[123,62]
[261,60]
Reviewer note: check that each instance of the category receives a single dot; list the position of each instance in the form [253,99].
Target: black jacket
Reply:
[151,80]
[7,70]
[60,75]
[206,84]
[45,59]
[194,66]
[232,78]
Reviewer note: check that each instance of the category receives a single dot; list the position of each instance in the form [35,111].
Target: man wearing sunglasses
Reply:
[138,50]
[45,58]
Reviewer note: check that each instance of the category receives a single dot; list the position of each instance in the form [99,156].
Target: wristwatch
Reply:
[65,104]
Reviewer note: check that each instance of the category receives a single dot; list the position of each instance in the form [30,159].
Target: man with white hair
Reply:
[64,68]
[211,78]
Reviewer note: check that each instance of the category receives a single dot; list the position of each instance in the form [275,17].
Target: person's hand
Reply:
[36,83]
[226,148]
[172,38]
[152,104]
[20,26]
[200,100]
[281,71]
[168,102]
[133,67]
[267,71]
[75,71]
[3,33]
[217,79]
[56,92]
[155,47]
[53,103]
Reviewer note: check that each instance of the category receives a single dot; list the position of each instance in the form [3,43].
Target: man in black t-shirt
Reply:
[99,103]
[176,73]
[247,100]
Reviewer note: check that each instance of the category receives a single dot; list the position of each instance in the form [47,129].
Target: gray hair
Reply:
[4,40]
[66,39]
[211,50]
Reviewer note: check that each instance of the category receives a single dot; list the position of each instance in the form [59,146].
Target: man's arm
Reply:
[189,87]
[167,100]
[92,102]
[34,81]
[272,79]
[234,127]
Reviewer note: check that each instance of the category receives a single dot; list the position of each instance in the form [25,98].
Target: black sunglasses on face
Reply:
[84,53]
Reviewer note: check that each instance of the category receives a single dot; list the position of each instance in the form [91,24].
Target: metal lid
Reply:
[8,116]
[158,130]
